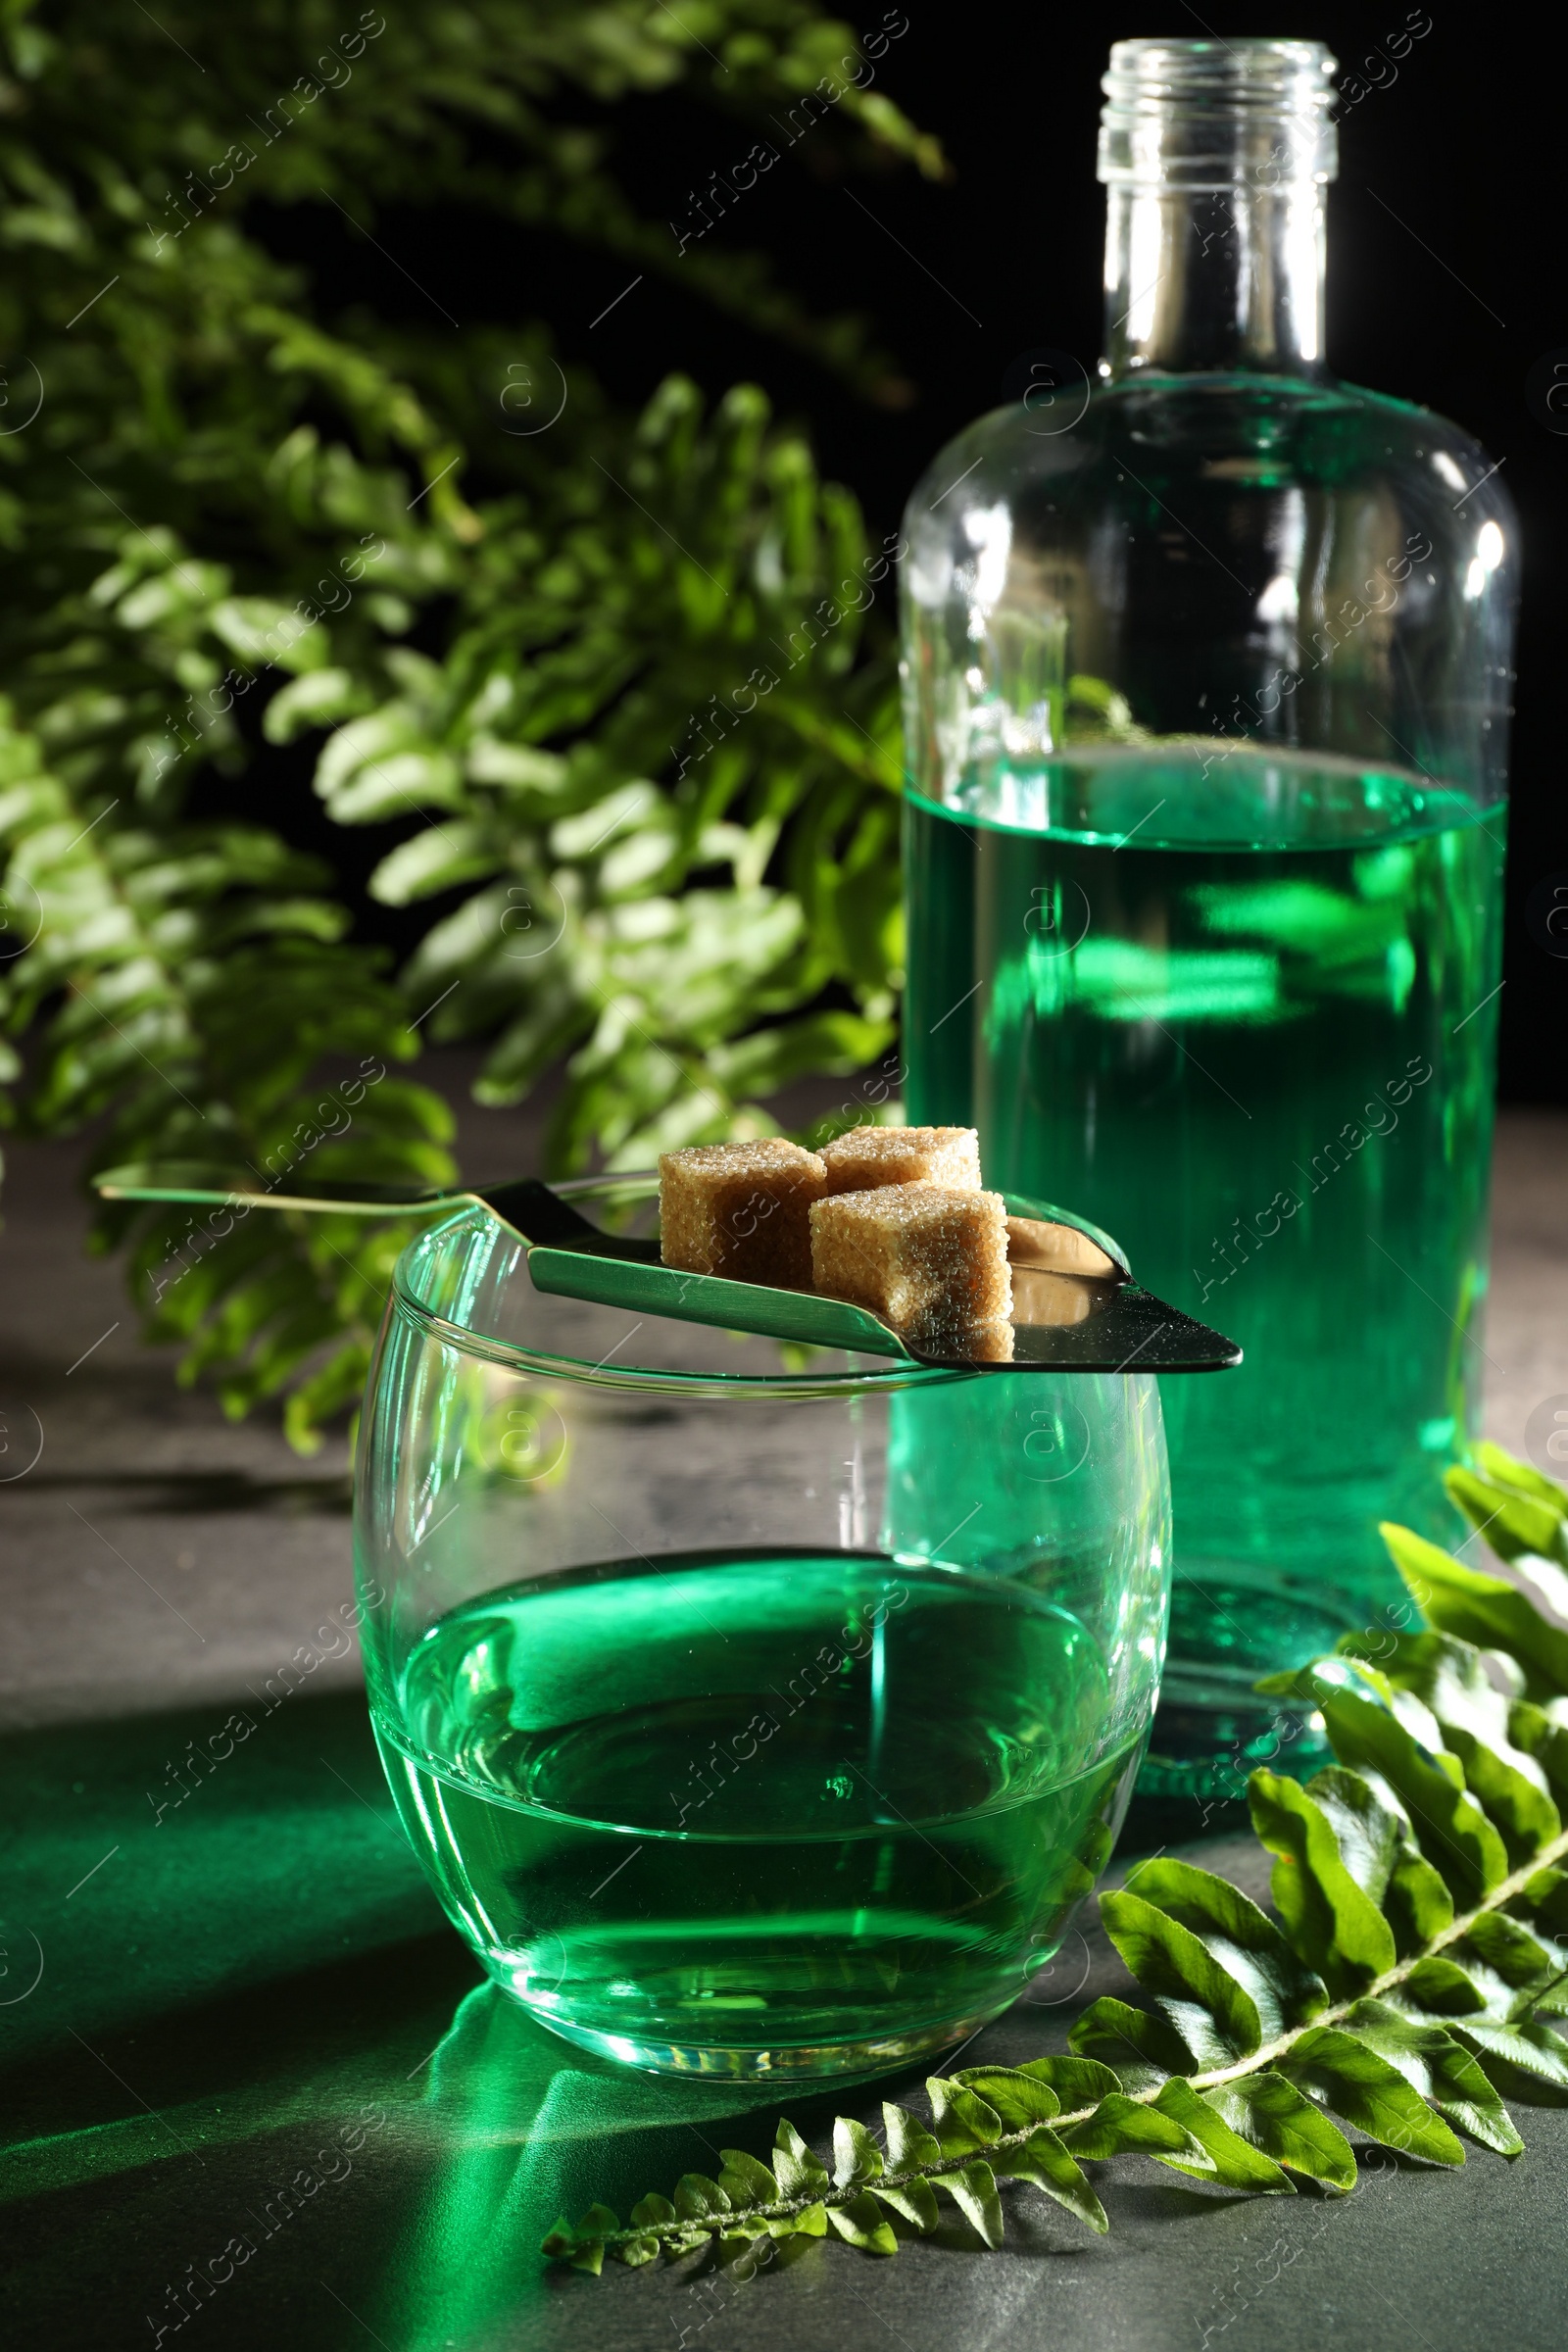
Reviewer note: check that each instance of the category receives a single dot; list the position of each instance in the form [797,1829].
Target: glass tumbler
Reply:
[753,1709]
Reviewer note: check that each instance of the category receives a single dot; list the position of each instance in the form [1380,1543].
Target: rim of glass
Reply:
[489,1348]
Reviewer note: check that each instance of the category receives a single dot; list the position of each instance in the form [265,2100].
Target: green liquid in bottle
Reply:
[1265,1068]
[788,1812]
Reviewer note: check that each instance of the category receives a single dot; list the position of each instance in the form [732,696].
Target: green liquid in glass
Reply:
[1266,1067]
[759,1813]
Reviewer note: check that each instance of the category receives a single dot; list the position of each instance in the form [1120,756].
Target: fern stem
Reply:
[786,2208]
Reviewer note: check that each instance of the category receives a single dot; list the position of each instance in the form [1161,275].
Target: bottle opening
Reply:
[1219,115]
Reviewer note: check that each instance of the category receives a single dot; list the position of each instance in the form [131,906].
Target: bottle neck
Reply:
[1216,279]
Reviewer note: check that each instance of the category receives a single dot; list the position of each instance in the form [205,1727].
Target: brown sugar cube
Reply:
[923,1256]
[740,1209]
[868,1157]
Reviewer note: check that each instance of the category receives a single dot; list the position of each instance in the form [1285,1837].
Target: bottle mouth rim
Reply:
[1243,72]
[1214,114]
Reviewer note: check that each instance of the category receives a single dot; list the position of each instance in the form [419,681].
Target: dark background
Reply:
[1449,304]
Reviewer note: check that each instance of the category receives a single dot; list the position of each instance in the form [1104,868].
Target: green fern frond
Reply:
[225,515]
[1403,1985]
[189,985]
[707,856]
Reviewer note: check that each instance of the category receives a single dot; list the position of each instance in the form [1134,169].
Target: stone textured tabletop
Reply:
[199,2011]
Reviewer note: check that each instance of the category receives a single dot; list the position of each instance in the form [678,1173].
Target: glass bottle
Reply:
[1206,674]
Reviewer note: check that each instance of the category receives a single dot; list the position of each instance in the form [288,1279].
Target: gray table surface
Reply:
[173,2062]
